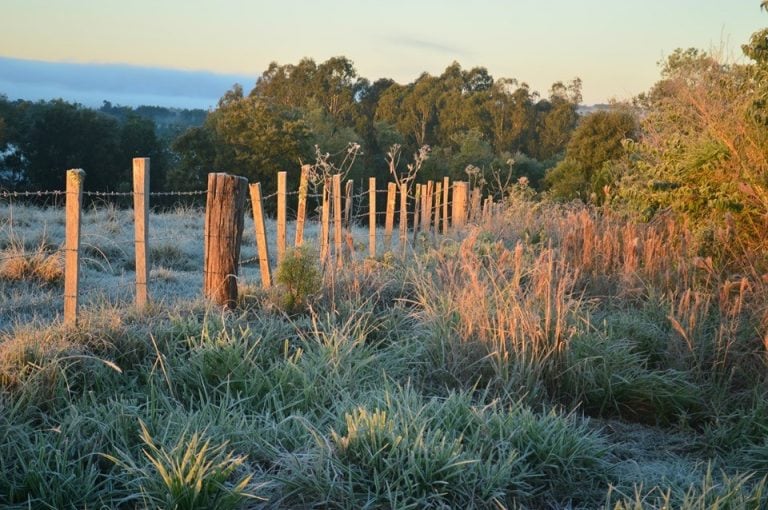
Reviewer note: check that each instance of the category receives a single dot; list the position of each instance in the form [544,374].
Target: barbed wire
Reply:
[27,194]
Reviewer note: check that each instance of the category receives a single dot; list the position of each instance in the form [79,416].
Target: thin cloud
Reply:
[431,46]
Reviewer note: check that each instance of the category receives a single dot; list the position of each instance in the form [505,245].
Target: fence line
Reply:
[432,207]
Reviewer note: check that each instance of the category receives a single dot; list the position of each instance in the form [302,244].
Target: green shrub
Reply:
[299,276]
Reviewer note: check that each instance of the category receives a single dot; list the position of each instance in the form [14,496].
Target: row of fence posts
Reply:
[224,224]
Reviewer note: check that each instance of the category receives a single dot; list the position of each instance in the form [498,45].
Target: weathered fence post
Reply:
[301,208]
[403,216]
[141,227]
[460,196]
[260,227]
[390,215]
[477,195]
[348,204]
[438,203]
[281,206]
[348,218]
[416,211]
[325,216]
[337,218]
[372,217]
[223,233]
[446,190]
[425,207]
[74,203]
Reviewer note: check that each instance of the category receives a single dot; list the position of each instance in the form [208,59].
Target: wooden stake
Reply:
[425,207]
[141,227]
[337,218]
[438,202]
[372,217]
[390,215]
[460,192]
[403,216]
[223,234]
[282,178]
[74,205]
[348,204]
[301,209]
[325,220]
[474,212]
[446,190]
[260,227]
[416,211]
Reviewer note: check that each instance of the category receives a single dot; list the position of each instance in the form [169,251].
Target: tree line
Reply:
[466,116]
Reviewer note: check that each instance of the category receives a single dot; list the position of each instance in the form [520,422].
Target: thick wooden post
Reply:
[325,216]
[389,219]
[140,215]
[257,205]
[301,208]
[460,196]
[223,234]
[74,205]
[438,203]
[372,217]
[337,237]
[446,190]
[403,216]
[282,178]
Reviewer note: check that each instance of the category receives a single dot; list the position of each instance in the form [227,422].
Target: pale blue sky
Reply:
[613,46]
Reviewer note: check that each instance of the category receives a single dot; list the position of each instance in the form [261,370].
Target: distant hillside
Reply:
[91,84]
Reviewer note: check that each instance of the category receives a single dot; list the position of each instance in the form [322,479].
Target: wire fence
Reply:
[175,241]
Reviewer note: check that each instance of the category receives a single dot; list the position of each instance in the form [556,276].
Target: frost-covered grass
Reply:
[548,357]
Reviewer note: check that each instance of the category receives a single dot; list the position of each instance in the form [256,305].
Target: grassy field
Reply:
[549,357]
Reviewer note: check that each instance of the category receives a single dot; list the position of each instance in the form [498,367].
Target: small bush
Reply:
[299,276]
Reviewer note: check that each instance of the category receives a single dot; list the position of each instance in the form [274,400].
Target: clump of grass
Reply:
[400,450]
[40,265]
[611,377]
[191,474]
[170,256]
[724,491]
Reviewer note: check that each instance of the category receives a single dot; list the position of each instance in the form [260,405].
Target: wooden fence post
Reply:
[337,218]
[281,207]
[260,227]
[429,203]
[301,208]
[416,211]
[474,213]
[74,203]
[460,192]
[403,216]
[438,204]
[372,217]
[425,207]
[325,220]
[348,204]
[390,215]
[223,234]
[140,215]
[446,189]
